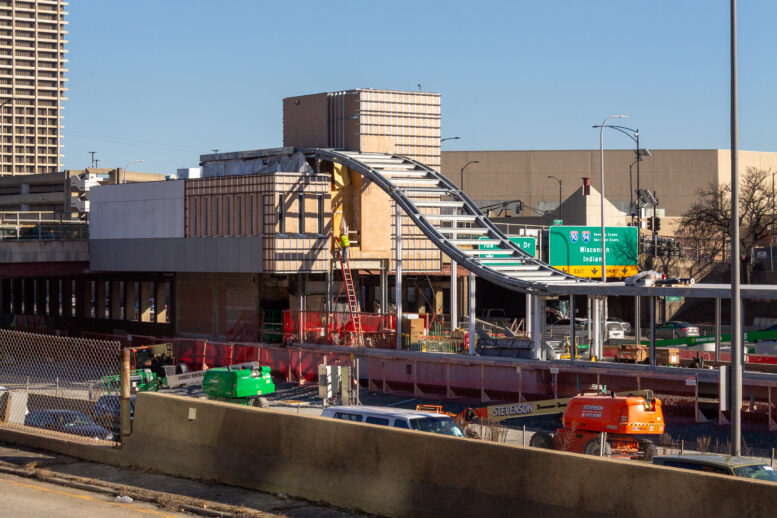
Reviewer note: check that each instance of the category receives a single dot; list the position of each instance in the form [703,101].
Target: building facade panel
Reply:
[32,85]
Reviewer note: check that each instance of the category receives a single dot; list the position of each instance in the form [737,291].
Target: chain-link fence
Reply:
[58,384]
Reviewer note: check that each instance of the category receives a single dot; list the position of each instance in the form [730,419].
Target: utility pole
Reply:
[93,163]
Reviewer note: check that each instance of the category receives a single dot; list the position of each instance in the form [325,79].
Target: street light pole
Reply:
[461,185]
[736,302]
[125,169]
[559,196]
[771,241]
[449,138]
[601,162]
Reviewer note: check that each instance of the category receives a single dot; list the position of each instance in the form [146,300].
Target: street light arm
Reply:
[126,166]
[624,130]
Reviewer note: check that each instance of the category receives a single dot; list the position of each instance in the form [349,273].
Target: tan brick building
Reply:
[32,85]
[675,175]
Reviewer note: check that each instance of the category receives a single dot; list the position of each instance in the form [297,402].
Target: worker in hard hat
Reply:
[344,244]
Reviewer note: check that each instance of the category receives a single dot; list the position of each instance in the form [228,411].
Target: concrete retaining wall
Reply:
[401,473]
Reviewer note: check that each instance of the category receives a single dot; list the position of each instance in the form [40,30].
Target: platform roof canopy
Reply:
[702,291]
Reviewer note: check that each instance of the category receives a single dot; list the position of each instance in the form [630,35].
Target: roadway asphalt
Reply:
[35,499]
[37,483]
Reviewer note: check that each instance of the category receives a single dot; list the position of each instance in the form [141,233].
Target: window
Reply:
[377,420]
[251,215]
[194,216]
[227,217]
[400,423]
[281,216]
[348,417]
[320,201]
[216,217]
[301,213]
[205,217]
[239,215]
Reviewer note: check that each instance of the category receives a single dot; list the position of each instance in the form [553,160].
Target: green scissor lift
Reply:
[242,384]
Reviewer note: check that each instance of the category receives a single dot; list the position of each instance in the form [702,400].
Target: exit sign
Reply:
[558,221]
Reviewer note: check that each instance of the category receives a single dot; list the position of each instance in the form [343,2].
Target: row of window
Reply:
[240,215]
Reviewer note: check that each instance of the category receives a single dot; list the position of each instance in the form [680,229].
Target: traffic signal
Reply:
[657,224]
[650,223]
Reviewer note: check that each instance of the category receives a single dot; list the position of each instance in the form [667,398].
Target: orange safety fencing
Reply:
[339,328]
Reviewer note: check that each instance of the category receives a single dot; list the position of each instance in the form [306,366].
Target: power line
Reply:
[131,142]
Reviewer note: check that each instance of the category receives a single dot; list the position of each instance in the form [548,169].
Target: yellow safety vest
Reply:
[344,243]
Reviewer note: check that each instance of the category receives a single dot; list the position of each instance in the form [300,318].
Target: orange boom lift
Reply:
[627,419]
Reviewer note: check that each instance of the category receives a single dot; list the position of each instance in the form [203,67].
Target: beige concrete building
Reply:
[675,175]
[381,121]
[32,85]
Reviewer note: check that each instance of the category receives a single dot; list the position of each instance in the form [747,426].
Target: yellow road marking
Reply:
[88,498]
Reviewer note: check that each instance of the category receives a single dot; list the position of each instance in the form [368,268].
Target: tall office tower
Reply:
[367,120]
[32,85]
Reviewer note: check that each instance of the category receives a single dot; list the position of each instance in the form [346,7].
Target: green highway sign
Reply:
[674,298]
[527,244]
[558,221]
[578,250]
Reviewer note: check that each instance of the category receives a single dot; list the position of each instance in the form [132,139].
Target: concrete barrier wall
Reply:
[400,473]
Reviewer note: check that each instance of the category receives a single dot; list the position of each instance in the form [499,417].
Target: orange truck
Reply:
[628,420]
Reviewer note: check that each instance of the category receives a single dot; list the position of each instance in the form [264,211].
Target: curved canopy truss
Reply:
[453,222]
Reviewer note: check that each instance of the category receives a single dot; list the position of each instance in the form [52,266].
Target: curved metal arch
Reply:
[351,160]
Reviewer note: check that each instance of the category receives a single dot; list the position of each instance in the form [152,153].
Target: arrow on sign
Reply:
[594,270]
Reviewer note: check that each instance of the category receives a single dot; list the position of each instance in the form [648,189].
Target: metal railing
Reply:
[39,226]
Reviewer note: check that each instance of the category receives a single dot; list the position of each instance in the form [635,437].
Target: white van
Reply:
[396,417]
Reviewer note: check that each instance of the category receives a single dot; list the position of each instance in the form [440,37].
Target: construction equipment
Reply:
[618,422]
[632,353]
[242,384]
[353,303]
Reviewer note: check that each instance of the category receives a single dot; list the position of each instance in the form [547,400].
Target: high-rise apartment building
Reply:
[32,85]
[383,121]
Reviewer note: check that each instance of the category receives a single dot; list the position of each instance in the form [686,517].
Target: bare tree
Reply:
[708,221]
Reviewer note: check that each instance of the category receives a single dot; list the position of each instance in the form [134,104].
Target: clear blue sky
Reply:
[166,81]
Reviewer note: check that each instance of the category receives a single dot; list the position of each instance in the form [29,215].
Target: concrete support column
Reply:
[67,297]
[160,302]
[538,327]
[144,301]
[84,298]
[596,327]
[55,297]
[115,304]
[99,298]
[454,298]
[17,296]
[29,296]
[5,296]
[637,318]
[528,318]
[472,313]
[130,313]
[41,296]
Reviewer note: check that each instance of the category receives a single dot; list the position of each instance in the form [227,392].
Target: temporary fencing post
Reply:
[682,446]
[125,394]
[771,459]
[523,436]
